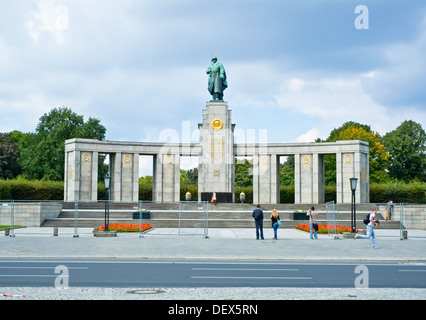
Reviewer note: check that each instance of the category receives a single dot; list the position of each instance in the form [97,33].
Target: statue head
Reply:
[214,59]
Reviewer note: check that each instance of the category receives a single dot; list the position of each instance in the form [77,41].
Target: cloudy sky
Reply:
[295,68]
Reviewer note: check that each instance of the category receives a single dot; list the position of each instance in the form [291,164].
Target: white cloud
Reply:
[326,97]
[309,136]
[6,52]
[139,66]
[50,18]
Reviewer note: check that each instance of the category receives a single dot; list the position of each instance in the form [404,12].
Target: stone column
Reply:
[309,178]
[345,169]
[167,178]
[306,178]
[265,179]
[115,172]
[318,184]
[81,176]
[129,177]
[72,176]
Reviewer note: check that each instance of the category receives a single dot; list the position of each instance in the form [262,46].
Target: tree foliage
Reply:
[43,152]
[243,173]
[407,146]
[9,153]
[379,158]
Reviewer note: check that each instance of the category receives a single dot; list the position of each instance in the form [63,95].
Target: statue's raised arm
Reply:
[217,79]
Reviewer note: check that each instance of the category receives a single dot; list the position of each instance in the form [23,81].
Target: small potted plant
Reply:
[146,214]
[300,215]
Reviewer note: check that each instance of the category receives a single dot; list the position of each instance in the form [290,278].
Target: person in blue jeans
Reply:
[274,218]
[370,230]
[258,220]
[312,219]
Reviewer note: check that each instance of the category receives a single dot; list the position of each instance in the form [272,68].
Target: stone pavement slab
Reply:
[221,244]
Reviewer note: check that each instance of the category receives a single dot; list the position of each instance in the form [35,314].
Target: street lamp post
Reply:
[353,208]
[107,181]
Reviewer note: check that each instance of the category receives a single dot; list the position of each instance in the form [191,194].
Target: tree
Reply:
[9,153]
[243,173]
[378,157]
[287,172]
[406,144]
[43,152]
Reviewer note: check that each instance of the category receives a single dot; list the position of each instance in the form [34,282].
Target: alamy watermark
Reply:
[362,20]
[362,280]
[62,280]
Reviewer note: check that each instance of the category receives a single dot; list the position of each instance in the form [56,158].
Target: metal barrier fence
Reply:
[7,209]
[332,213]
[17,213]
[193,216]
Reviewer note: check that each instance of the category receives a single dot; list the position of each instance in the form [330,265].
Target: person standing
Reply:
[258,221]
[370,230]
[313,224]
[213,200]
[275,217]
[389,208]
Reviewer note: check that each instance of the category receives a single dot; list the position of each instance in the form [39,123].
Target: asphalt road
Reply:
[149,273]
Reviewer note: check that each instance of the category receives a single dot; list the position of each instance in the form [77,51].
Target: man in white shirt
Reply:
[370,230]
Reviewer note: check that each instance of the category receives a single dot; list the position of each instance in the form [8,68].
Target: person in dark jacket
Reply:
[258,220]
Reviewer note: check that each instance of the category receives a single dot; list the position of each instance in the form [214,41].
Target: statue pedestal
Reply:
[216,163]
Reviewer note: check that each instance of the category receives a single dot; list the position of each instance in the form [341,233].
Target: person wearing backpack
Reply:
[370,229]
[313,224]
[258,220]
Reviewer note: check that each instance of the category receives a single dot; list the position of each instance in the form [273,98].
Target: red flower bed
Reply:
[126,227]
[325,228]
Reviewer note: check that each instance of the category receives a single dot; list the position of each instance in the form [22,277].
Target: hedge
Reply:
[20,189]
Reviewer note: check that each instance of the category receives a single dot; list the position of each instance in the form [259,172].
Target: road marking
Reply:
[260,278]
[242,269]
[28,275]
[53,267]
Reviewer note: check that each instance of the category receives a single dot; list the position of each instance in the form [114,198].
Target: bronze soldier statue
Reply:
[217,79]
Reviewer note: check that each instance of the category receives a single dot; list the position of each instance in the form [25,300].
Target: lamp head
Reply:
[107,181]
[353,183]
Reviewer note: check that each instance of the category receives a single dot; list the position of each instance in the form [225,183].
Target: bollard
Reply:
[7,232]
[404,234]
[55,231]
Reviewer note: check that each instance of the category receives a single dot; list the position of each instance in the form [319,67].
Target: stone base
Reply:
[349,235]
[105,234]
[221,197]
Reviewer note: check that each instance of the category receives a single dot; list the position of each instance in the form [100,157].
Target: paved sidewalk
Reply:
[166,243]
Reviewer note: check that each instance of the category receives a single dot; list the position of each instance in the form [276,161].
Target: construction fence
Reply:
[191,217]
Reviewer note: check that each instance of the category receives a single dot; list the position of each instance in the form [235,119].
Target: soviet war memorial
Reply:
[216,151]
[249,152]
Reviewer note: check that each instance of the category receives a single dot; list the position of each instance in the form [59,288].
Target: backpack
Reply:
[257,214]
[366,219]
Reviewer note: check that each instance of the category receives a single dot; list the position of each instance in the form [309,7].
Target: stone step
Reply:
[164,215]
[199,223]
